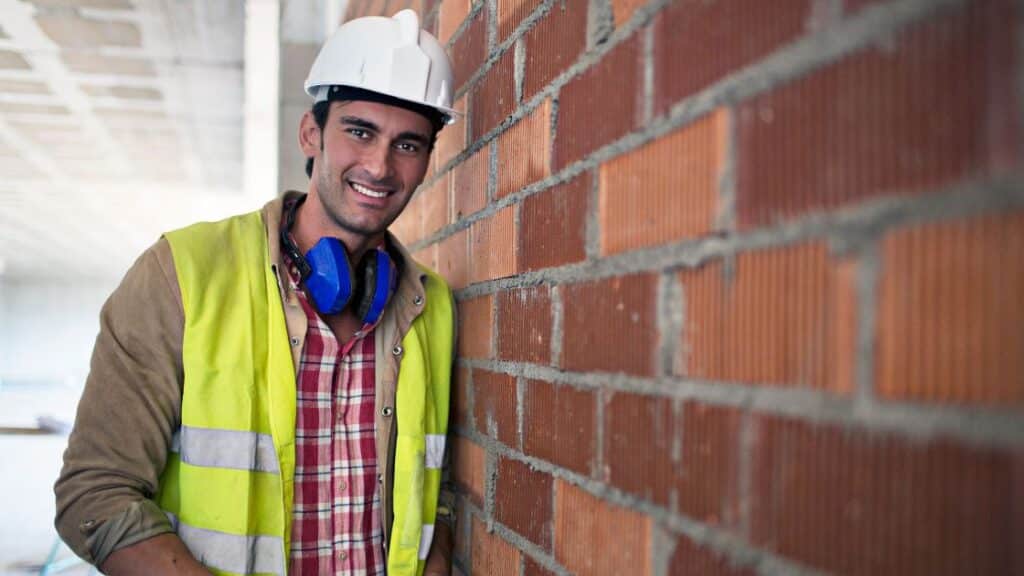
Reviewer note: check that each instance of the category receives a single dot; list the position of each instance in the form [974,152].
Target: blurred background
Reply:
[739,281]
[119,119]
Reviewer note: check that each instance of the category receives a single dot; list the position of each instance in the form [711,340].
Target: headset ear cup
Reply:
[330,282]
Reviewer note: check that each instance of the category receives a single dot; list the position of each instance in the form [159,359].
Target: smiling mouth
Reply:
[368,191]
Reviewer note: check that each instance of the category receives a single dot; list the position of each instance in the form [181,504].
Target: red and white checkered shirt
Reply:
[336,517]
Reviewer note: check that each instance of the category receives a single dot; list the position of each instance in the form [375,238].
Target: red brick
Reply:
[494,405]
[950,321]
[453,259]
[511,13]
[885,121]
[450,17]
[395,6]
[639,432]
[774,322]
[596,538]
[435,205]
[851,502]
[460,399]
[610,325]
[623,10]
[476,319]
[642,436]
[532,568]
[708,484]
[589,114]
[678,175]
[408,227]
[523,501]
[451,140]
[469,184]
[493,99]
[373,7]
[524,325]
[492,244]
[845,325]
[852,6]
[470,50]
[524,151]
[553,225]
[695,42]
[492,555]
[689,558]
[558,425]
[469,463]
[554,44]
[426,256]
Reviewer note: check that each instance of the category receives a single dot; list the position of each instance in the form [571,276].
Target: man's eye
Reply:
[407,147]
[359,133]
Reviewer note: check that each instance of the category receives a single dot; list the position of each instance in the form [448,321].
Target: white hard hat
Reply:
[391,56]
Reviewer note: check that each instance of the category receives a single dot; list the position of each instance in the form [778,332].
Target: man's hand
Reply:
[439,561]
[163,554]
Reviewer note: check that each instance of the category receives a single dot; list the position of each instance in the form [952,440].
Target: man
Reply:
[270,393]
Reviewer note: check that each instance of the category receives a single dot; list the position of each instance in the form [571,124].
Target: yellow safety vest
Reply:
[229,480]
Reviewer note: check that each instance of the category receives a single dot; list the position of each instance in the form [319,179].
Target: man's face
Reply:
[372,159]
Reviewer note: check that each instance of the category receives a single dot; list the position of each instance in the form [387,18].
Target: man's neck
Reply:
[312,224]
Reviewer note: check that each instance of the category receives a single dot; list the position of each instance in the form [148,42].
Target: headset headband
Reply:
[289,245]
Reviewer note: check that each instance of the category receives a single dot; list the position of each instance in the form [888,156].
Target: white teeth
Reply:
[367,192]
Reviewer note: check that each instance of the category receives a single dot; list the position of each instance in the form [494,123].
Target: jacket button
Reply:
[397,350]
[87,526]
[418,300]
[386,411]
[295,341]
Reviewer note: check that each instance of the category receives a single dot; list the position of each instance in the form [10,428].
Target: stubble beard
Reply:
[331,192]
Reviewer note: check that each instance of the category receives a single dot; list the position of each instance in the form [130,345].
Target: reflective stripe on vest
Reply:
[426,539]
[236,449]
[232,552]
[434,456]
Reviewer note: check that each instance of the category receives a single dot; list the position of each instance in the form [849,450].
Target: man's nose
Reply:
[377,161]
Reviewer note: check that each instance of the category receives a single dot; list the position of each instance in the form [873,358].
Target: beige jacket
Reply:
[131,404]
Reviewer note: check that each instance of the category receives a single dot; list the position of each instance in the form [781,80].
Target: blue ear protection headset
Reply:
[330,279]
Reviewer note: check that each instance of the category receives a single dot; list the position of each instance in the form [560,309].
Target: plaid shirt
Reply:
[336,517]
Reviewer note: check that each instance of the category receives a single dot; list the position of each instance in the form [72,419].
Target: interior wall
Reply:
[47,328]
[303,30]
[47,331]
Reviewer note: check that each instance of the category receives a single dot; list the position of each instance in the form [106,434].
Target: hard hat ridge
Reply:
[390,56]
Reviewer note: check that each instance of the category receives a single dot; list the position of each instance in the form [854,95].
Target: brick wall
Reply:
[741,284]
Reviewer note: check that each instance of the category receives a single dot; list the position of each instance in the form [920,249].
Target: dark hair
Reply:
[321,109]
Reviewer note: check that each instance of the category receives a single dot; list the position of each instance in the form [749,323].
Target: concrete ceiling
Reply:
[119,119]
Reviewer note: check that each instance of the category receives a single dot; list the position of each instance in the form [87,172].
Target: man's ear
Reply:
[309,135]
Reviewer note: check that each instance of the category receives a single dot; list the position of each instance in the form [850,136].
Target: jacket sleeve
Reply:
[129,409]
